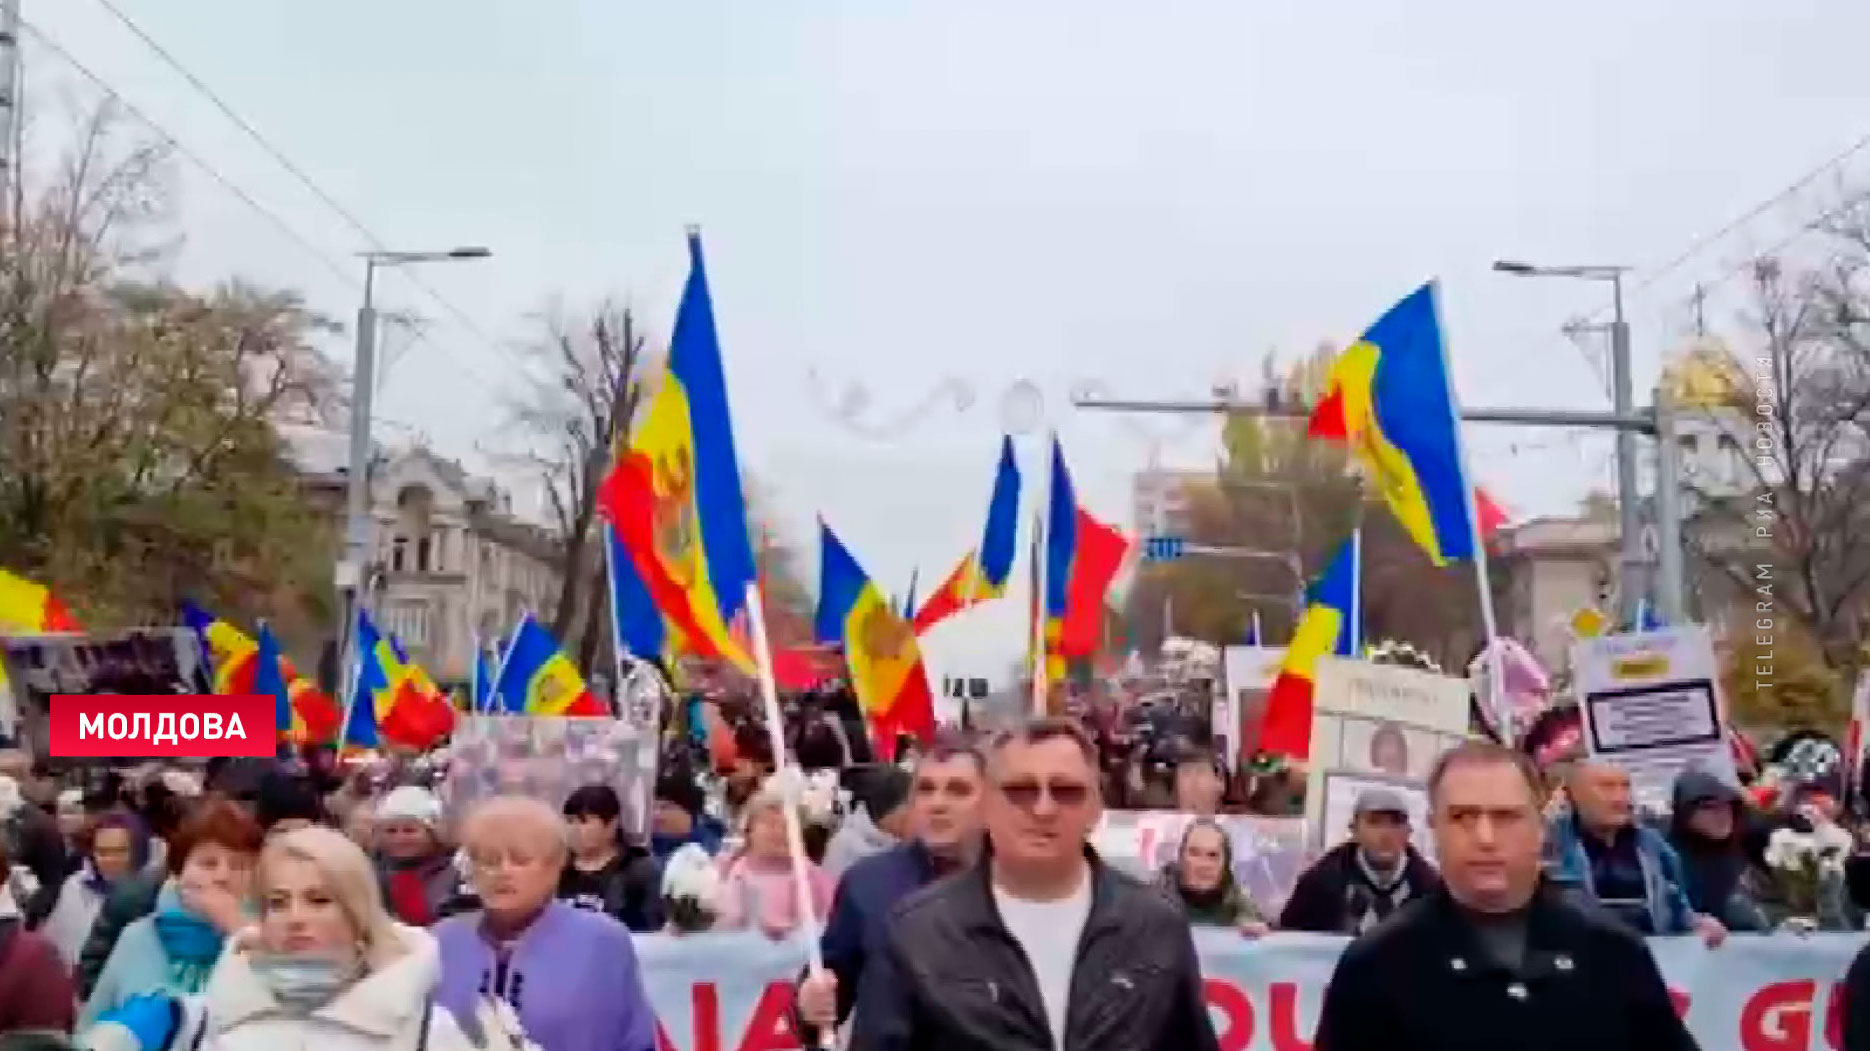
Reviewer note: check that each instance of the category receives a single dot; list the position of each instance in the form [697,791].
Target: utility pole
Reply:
[1630,589]
[1658,421]
[352,574]
[9,102]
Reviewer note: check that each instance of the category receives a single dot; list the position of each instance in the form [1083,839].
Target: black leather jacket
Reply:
[951,978]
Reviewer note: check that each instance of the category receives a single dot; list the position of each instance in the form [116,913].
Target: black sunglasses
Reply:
[1025,794]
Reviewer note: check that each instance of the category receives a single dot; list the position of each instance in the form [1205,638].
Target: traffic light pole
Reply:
[1657,421]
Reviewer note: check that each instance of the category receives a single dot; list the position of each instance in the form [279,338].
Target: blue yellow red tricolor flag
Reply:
[393,699]
[1389,398]
[1331,625]
[29,607]
[674,495]
[983,572]
[234,657]
[270,680]
[879,646]
[1082,557]
[536,678]
[637,625]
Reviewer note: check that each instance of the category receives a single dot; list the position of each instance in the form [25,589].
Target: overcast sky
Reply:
[901,196]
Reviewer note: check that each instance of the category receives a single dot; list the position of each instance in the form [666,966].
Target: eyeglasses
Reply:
[1025,794]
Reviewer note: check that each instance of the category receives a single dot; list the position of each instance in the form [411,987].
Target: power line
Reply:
[1696,246]
[339,271]
[342,272]
[350,218]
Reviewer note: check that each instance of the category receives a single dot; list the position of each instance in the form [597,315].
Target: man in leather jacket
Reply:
[1040,946]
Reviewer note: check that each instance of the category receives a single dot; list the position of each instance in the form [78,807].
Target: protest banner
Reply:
[1652,706]
[141,662]
[733,992]
[1378,725]
[1240,705]
[1269,852]
[546,757]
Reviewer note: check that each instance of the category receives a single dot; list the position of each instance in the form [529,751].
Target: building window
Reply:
[399,551]
[424,548]
[410,623]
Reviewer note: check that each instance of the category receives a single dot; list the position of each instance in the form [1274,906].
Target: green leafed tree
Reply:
[139,420]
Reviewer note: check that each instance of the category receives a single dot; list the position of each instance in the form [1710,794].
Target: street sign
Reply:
[1164,548]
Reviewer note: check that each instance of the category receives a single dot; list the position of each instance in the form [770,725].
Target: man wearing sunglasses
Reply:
[944,823]
[1041,947]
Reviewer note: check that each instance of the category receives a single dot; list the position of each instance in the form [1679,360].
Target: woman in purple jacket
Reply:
[570,975]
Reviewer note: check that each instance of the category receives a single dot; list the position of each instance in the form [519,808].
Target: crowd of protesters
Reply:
[253,901]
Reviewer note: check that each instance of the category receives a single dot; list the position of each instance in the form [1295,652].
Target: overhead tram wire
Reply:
[279,157]
[338,271]
[343,273]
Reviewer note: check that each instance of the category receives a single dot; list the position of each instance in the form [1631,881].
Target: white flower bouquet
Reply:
[1803,863]
[691,889]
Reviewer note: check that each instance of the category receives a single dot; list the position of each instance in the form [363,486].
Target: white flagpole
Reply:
[791,779]
[1259,639]
[1040,556]
[1496,666]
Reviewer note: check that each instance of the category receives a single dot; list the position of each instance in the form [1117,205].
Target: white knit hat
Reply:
[411,803]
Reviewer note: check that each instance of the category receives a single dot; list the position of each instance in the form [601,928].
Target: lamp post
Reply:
[350,570]
[1630,590]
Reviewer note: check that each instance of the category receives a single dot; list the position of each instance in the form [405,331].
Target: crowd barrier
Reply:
[732,992]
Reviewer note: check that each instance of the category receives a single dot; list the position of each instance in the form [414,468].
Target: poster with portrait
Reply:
[139,662]
[1652,706]
[1377,725]
[545,757]
[1247,673]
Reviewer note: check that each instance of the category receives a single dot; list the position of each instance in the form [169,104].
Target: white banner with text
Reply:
[733,992]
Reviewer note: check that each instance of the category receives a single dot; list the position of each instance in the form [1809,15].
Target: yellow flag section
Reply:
[879,645]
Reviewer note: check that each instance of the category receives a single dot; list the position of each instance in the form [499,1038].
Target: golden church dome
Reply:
[1704,375]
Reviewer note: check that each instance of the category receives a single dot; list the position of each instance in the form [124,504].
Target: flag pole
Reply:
[1041,680]
[1496,667]
[1357,593]
[791,780]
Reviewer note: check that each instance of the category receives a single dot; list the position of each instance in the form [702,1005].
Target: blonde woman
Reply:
[757,888]
[327,967]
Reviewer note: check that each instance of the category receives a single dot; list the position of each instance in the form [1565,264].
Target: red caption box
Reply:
[163,726]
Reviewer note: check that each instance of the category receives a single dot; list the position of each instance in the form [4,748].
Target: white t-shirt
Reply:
[1048,932]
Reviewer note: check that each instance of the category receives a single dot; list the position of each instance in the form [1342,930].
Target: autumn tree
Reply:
[138,420]
[574,407]
[1295,500]
[1788,540]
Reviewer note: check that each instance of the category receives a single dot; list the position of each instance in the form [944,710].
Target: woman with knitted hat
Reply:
[416,869]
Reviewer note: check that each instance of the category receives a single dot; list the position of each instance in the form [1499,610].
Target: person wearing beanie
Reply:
[878,822]
[416,869]
[604,871]
[677,817]
[35,985]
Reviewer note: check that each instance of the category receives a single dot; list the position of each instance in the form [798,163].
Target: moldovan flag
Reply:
[536,678]
[879,646]
[982,573]
[1082,557]
[270,680]
[29,607]
[235,659]
[674,494]
[637,626]
[1330,626]
[1388,397]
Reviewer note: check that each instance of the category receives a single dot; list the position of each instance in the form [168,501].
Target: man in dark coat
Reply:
[1361,881]
[945,820]
[1495,959]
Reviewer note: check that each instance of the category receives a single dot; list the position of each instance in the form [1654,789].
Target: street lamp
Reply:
[350,571]
[1623,401]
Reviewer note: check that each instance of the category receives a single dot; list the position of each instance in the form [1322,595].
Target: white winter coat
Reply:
[69,923]
[382,1011]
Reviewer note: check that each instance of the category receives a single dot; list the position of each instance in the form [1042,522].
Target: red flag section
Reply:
[1100,554]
